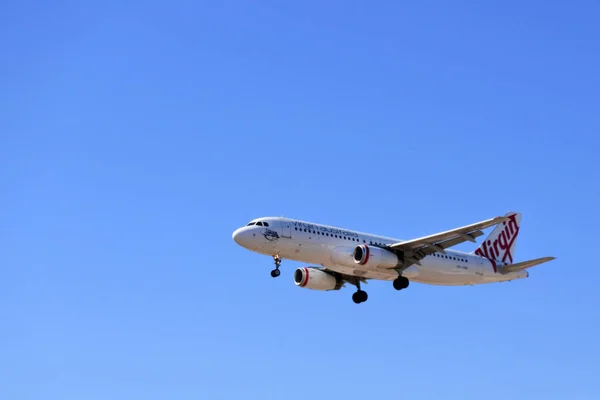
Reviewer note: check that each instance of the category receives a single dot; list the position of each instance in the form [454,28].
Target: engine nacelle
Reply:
[374,257]
[315,278]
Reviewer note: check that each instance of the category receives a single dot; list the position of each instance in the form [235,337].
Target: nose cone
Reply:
[236,236]
[242,237]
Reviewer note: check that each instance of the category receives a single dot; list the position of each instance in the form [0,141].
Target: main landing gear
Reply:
[360,296]
[401,283]
[276,272]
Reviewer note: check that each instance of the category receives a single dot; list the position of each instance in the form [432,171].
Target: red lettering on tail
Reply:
[500,249]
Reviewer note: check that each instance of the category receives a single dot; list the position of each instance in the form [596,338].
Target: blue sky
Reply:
[136,137]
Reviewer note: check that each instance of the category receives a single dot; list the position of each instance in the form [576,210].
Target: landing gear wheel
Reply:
[275,273]
[401,283]
[360,296]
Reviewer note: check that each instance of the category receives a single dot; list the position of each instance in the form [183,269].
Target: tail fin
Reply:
[501,243]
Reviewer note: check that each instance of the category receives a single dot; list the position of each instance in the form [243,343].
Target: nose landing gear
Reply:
[276,272]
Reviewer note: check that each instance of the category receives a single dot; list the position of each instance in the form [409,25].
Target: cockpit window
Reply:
[259,223]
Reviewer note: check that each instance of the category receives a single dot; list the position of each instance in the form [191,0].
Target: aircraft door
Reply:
[480,266]
[286,228]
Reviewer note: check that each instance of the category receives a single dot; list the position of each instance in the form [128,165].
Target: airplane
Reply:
[338,256]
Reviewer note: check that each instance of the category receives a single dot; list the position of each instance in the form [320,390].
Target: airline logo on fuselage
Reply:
[270,234]
[499,250]
[331,231]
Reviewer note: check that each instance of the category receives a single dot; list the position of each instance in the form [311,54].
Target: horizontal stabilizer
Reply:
[506,269]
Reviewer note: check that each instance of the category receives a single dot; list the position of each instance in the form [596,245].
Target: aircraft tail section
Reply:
[501,243]
[507,269]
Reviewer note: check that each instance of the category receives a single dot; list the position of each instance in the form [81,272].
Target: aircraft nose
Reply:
[236,235]
[240,236]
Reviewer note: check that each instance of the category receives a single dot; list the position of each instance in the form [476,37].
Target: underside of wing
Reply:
[416,249]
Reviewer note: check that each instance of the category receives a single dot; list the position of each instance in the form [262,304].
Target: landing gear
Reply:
[360,296]
[276,272]
[401,283]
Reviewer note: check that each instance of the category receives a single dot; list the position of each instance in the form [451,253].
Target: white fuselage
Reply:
[330,247]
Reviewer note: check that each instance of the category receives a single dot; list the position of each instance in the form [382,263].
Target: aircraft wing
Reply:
[416,249]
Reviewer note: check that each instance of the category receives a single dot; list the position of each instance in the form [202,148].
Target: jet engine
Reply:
[374,257]
[315,278]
